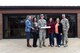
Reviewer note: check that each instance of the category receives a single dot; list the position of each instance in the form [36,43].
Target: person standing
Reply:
[42,32]
[65,24]
[28,27]
[58,32]
[51,31]
[35,32]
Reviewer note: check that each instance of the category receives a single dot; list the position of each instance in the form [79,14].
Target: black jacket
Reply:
[60,28]
[36,29]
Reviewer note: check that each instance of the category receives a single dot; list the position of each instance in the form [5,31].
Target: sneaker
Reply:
[58,45]
[50,45]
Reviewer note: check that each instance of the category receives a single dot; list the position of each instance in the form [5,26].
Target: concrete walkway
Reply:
[19,46]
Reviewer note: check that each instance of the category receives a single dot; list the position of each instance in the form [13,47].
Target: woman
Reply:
[58,32]
[28,27]
[51,31]
[35,32]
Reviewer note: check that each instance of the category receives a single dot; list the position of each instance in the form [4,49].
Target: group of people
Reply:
[59,29]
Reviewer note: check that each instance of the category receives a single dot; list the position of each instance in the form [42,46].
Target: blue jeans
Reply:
[51,39]
[58,39]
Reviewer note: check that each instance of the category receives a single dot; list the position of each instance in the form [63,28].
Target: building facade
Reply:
[12,18]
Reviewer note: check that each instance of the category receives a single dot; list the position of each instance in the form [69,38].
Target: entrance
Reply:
[14,27]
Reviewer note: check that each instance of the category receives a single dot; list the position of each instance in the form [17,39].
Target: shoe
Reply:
[40,46]
[28,45]
[49,45]
[44,45]
[65,45]
[52,45]
[62,44]
[58,45]
[34,45]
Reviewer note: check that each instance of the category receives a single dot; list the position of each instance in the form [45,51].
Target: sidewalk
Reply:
[19,46]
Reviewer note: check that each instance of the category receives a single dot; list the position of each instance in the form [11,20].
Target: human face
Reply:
[35,19]
[30,17]
[63,17]
[42,17]
[50,19]
[57,20]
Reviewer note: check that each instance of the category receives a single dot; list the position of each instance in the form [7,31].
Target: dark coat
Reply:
[60,28]
[52,29]
[36,29]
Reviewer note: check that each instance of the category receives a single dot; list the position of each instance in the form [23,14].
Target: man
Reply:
[65,24]
[42,32]
[28,27]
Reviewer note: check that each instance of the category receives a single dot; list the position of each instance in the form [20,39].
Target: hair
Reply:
[27,16]
[50,18]
[34,18]
[56,20]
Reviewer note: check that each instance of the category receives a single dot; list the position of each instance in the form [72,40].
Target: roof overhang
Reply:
[38,7]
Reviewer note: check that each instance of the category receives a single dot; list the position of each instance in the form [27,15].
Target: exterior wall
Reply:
[40,11]
[78,24]
[1,27]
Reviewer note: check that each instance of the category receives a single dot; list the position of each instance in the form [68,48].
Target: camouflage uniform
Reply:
[42,32]
[65,24]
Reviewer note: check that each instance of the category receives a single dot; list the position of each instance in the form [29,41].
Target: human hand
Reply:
[32,28]
[61,34]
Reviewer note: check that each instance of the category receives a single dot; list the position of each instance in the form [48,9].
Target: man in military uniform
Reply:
[42,32]
[65,24]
